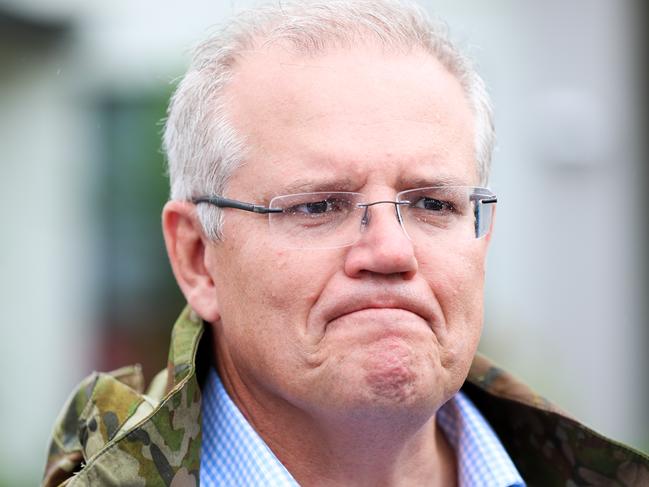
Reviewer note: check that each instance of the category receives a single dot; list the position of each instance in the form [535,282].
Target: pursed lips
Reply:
[382,301]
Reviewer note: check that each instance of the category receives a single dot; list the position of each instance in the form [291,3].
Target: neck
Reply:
[357,448]
[369,452]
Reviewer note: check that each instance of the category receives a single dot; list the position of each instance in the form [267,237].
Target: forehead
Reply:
[358,113]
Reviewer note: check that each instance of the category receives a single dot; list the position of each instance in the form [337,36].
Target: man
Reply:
[328,225]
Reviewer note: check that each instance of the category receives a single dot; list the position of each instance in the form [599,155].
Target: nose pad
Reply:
[365,221]
[381,250]
[367,215]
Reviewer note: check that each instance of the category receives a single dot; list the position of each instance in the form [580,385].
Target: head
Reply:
[362,96]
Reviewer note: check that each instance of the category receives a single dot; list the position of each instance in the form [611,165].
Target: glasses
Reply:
[327,220]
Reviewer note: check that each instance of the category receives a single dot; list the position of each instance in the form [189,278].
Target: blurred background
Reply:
[85,283]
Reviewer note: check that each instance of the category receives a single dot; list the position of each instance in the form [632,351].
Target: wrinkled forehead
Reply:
[354,109]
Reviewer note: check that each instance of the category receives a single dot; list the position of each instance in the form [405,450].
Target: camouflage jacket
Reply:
[111,433]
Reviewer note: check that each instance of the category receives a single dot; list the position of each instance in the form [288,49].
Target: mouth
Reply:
[389,313]
[371,324]
[375,308]
[376,311]
[379,302]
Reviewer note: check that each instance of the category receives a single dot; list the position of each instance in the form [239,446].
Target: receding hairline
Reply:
[202,146]
[261,46]
[274,37]
[280,55]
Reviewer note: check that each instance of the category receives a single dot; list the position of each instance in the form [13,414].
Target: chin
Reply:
[396,374]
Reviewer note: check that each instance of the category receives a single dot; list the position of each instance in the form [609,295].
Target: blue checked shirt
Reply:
[233,454]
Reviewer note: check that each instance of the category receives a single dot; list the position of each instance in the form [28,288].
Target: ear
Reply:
[187,247]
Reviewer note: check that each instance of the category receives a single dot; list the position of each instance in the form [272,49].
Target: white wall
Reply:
[44,251]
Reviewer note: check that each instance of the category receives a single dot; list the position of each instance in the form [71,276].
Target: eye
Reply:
[433,204]
[316,207]
[322,207]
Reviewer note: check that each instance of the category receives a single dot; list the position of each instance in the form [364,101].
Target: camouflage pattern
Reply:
[111,433]
[547,445]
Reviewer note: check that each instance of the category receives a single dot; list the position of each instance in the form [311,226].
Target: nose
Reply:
[383,247]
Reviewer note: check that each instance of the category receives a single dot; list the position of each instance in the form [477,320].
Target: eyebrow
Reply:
[315,186]
[437,181]
[306,185]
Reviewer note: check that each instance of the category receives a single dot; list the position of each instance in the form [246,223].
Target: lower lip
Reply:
[386,320]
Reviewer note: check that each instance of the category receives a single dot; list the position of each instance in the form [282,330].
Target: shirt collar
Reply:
[481,457]
[232,451]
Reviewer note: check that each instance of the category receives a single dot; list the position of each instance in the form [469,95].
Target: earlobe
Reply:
[187,246]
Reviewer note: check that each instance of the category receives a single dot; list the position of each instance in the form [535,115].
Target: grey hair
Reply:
[202,147]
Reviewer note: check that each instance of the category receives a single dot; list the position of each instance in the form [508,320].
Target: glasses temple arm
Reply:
[221,202]
[489,200]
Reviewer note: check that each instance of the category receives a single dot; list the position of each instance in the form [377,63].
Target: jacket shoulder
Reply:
[103,406]
[548,446]
[111,433]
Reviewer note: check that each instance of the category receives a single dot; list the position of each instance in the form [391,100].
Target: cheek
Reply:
[456,279]
[277,288]
[288,282]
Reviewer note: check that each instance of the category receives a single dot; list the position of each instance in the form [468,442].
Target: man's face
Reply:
[387,322]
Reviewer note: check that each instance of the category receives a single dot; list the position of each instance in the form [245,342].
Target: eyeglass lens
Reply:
[335,219]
